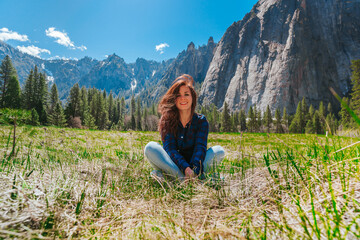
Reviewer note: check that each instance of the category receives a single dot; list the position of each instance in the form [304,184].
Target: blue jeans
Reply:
[160,160]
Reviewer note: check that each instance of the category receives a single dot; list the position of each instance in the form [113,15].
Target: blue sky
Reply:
[130,29]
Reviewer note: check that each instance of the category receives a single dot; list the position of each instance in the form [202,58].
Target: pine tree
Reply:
[40,95]
[329,108]
[225,120]
[295,126]
[242,120]
[309,127]
[355,92]
[138,116]
[203,111]
[12,98]
[146,125]
[316,123]
[53,99]
[330,123]
[267,118]
[153,109]
[73,103]
[43,117]
[279,128]
[322,115]
[305,114]
[259,121]
[322,110]
[252,120]
[89,120]
[330,120]
[232,122]
[93,105]
[311,112]
[122,113]
[132,109]
[285,118]
[344,114]
[57,117]
[29,92]
[84,104]
[110,107]
[34,120]
[102,115]
[7,72]
[117,111]
[236,122]
[90,94]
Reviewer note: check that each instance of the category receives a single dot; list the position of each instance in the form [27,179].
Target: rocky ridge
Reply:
[282,51]
[193,61]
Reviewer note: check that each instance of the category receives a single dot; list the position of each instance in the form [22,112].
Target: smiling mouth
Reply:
[183,103]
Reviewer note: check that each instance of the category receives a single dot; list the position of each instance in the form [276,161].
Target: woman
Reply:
[184,135]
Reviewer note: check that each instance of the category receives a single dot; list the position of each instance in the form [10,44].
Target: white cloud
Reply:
[6,34]
[62,38]
[82,48]
[33,50]
[160,48]
[50,78]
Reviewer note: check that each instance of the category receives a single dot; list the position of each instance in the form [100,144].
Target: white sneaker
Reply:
[157,175]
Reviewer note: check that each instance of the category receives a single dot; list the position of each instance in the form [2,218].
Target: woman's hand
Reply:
[189,174]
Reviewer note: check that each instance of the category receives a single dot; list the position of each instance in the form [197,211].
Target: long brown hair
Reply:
[170,116]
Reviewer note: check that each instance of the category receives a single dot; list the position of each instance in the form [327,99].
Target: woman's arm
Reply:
[200,148]
[169,144]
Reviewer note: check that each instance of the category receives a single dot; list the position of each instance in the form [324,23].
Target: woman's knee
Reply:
[219,152]
[151,148]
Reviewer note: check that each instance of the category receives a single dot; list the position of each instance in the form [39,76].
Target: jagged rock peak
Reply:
[87,59]
[114,58]
[190,47]
[211,40]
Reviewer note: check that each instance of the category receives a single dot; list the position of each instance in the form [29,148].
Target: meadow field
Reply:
[74,183]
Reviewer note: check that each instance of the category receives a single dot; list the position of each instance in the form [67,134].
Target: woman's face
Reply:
[184,99]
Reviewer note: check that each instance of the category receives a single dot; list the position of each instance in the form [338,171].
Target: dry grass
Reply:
[66,183]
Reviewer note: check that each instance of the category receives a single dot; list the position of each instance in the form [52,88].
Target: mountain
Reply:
[146,79]
[65,73]
[116,75]
[282,51]
[22,62]
[192,61]
[112,74]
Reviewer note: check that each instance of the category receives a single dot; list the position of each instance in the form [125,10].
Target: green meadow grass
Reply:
[72,183]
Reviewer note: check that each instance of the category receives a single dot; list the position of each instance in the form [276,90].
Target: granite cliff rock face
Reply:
[282,51]
[194,62]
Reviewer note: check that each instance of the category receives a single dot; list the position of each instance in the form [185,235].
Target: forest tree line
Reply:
[95,109]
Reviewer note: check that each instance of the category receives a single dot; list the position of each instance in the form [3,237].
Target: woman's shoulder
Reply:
[200,118]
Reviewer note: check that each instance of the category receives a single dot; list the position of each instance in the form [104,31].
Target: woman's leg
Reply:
[214,156]
[160,160]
